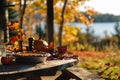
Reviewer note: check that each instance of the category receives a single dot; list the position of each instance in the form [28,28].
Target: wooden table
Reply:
[18,70]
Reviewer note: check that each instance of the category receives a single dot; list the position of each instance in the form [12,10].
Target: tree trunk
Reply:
[50,18]
[22,11]
[3,21]
[62,23]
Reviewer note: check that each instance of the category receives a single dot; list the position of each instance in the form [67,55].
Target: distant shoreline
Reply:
[99,28]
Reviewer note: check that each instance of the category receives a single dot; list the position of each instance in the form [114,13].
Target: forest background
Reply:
[72,36]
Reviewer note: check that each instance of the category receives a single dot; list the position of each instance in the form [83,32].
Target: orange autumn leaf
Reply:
[118,74]
[13,39]
[16,25]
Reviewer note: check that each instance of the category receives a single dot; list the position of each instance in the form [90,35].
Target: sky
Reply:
[105,6]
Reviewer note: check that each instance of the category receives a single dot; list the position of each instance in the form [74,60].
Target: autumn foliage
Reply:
[105,65]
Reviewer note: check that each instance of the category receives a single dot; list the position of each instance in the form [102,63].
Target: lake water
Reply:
[99,28]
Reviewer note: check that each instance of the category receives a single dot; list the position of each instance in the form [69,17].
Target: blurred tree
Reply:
[3,4]
[69,12]
[64,12]
[13,15]
[35,15]
[12,18]
[22,6]
[50,17]
[117,32]
[39,31]
[3,20]
[61,23]
[105,18]
[89,35]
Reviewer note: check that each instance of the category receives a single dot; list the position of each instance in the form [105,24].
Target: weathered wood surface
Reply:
[18,70]
[82,73]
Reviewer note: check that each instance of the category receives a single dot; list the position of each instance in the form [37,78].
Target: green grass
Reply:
[107,67]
